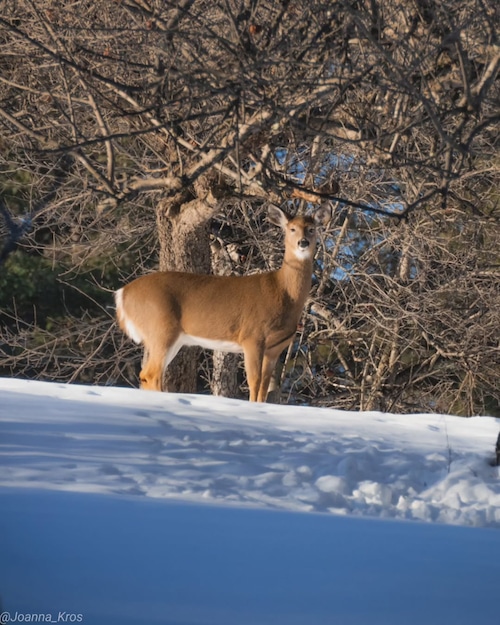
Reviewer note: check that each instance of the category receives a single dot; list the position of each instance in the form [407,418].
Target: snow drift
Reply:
[206,449]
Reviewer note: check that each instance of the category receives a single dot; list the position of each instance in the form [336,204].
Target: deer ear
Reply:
[277,216]
[323,215]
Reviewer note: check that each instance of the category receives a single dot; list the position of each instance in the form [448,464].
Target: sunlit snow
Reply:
[133,507]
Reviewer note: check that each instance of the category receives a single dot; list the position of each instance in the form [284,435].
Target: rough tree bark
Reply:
[224,378]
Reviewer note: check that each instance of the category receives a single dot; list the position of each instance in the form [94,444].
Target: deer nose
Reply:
[303,243]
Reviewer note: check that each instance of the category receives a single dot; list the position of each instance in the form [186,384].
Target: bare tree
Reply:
[161,113]
[415,325]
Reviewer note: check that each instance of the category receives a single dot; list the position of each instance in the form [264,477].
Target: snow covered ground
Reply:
[110,511]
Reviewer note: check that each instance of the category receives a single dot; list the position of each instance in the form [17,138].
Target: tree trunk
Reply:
[224,378]
[224,382]
[183,237]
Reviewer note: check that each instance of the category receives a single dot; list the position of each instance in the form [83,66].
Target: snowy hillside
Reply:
[108,511]
[197,448]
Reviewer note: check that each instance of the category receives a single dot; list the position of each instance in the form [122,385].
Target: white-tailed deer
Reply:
[255,314]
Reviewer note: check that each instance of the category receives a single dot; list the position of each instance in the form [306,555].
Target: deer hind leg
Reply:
[151,375]
[155,360]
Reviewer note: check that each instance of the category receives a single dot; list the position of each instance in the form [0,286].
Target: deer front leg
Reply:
[253,355]
[268,365]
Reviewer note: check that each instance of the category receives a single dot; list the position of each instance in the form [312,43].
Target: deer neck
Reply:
[295,277]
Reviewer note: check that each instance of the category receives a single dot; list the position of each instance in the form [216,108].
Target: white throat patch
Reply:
[302,254]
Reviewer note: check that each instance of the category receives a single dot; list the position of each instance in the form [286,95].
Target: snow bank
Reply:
[206,449]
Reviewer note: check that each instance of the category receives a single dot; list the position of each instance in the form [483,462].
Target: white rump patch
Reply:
[128,327]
